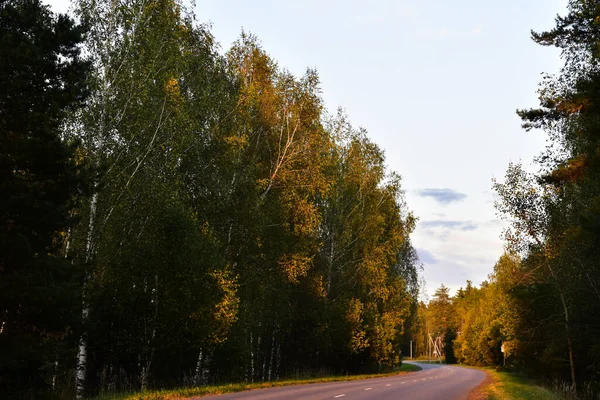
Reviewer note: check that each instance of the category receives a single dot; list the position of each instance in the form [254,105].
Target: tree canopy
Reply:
[542,302]
[42,180]
[211,221]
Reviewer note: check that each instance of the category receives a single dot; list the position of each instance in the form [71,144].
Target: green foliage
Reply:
[481,313]
[542,301]
[43,80]
[230,230]
[559,274]
[515,386]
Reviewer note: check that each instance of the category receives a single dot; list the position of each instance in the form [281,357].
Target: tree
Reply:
[42,176]
[560,213]
[228,232]
[443,320]
[528,205]
[153,126]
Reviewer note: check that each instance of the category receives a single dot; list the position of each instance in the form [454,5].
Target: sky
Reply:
[435,83]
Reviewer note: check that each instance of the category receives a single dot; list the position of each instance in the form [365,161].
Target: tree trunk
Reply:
[271,359]
[144,378]
[565,309]
[54,373]
[331,257]
[569,340]
[203,366]
[82,351]
[251,359]
[278,364]
[198,372]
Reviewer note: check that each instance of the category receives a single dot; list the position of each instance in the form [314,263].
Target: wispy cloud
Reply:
[388,12]
[454,33]
[477,30]
[442,196]
[453,225]
[365,19]
[406,12]
[495,223]
[444,32]
[460,251]
[426,257]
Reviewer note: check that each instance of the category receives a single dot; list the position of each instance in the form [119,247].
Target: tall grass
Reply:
[192,391]
[567,391]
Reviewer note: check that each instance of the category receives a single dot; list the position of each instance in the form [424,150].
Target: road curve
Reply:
[434,382]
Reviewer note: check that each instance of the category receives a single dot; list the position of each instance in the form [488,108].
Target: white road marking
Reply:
[339,395]
[389,384]
[368,388]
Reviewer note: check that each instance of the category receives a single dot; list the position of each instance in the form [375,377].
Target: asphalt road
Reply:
[434,382]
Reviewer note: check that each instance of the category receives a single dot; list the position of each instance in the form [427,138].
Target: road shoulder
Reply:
[481,392]
[503,385]
[201,391]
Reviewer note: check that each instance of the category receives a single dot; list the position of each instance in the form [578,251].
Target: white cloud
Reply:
[365,19]
[442,196]
[443,33]
[477,30]
[455,255]
[380,13]
[406,11]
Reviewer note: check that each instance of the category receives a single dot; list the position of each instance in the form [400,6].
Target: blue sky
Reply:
[436,84]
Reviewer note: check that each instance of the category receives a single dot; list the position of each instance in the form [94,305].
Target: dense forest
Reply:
[539,312]
[173,214]
[176,214]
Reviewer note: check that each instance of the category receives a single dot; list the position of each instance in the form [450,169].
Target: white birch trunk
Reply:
[145,370]
[246,365]
[198,372]
[331,257]
[82,350]
[271,359]
[144,379]
[104,44]
[54,374]
[206,367]
[251,359]
[262,374]
[278,361]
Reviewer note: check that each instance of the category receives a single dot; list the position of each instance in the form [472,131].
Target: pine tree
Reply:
[43,78]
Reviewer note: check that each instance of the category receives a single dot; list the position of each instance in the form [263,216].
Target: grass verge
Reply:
[511,386]
[428,362]
[184,393]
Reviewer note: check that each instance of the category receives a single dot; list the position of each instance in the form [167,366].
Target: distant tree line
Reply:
[171,214]
[543,299]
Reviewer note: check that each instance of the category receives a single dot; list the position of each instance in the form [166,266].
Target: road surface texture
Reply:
[434,382]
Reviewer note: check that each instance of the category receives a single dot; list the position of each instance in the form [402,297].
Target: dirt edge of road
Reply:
[480,392]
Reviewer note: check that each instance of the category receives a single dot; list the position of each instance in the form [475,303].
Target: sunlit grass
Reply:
[513,386]
[183,393]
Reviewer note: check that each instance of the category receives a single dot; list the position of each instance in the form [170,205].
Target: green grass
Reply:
[428,362]
[183,393]
[513,386]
